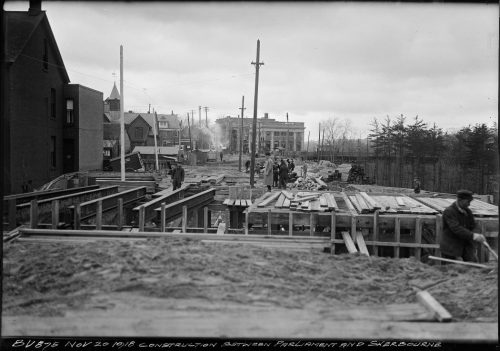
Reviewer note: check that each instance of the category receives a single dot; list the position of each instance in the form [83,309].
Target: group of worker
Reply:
[277,174]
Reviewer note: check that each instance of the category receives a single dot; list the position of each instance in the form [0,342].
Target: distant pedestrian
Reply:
[416,186]
[292,166]
[177,176]
[304,170]
[268,171]
[247,166]
[283,174]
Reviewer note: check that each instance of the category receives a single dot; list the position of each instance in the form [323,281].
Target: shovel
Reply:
[490,250]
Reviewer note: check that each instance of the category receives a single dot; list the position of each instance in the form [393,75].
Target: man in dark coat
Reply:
[283,174]
[458,222]
[177,176]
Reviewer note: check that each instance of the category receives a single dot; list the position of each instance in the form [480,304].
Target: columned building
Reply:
[271,135]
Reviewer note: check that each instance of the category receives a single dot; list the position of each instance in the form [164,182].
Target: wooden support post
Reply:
[397,231]
[142,217]
[418,237]
[439,234]
[55,213]
[312,224]
[12,214]
[439,312]
[333,228]
[120,213]
[78,216]
[269,222]
[162,217]
[184,218]
[375,232]
[290,223]
[98,216]
[34,214]
[246,220]
[205,219]
[353,226]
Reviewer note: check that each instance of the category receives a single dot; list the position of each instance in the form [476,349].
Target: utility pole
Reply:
[122,119]
[323,141]
[192,117]
[189,131]
[307,150]
[319,140]
[287,135]
[155,134]
[242,108]
[180,129]
[206,116]
[199,115]
[257,64]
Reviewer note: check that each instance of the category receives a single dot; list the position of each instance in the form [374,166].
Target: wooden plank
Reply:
[184,218]
[333,228]
[400,200]
[439,312]
[162,217]
[312,224]
[322,201]
[279,202]
[290,223]
[226,202]
[77,216]
[304,205]
[269,222]
[308,198]
[205,219]
[33,214]
[120,213]
[348,242]
[439,232]
[142,214]
[348,203]
[314,206]
[286,203]
[361,244]
[287,194]
[269,199]
[246,222]
[370,200]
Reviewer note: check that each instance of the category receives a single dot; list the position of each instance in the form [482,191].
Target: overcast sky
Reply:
[323,60]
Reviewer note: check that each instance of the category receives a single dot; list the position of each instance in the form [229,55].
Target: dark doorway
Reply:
[69,156]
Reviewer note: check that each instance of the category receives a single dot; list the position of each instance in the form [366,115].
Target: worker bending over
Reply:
[458,223]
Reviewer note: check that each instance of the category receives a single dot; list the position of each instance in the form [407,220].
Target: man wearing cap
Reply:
[458,223]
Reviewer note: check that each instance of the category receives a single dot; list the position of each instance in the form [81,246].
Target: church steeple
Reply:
[114,99]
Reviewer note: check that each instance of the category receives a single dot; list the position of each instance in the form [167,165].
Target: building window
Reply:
[138,132]
[45,57]
[107,152]
[69,112]
[164,142]
[163,124]
[53,151]
[52,103]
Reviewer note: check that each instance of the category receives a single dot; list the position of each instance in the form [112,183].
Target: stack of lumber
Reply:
[309,183]
[198,180]
[364,203]
[239,196]
[399,204]
[479,208]
[301,201]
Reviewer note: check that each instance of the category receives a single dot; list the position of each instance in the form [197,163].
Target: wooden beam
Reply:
[418,236]
[439,312]
[12,213]
[333,228]
[397,232]
[142,217]
[184,218]
[269,222]
[269,199]
[120,213]
[205,219]
[162,217]
[375,231]
[77,216]
[33,214]
[246,222]
[351,248]
[312,224]
[290,223]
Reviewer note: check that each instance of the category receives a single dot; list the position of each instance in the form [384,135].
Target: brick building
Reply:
[45,120]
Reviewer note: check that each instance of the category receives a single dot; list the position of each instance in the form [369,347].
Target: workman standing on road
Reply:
[268,171]
[283,174]
[177,176]
[458,223]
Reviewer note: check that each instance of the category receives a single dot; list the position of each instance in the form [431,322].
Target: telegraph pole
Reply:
[199,115]
[189,131]
[206,116]
[122,119]
[257,64]
[319,139]
[287,135]
[307,150]
[242,108]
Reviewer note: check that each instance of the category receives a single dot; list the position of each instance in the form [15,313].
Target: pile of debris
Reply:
[310,182]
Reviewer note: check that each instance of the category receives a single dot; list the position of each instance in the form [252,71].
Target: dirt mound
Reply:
[50,278]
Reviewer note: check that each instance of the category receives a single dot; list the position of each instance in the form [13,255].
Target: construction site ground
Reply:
[180,287]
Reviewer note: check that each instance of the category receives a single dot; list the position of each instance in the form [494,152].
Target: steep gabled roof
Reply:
[115,95]
[19,28]
[172,120]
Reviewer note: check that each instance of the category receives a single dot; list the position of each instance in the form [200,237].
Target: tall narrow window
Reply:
[69,112]
[45,58]
[52,103]
[53,151]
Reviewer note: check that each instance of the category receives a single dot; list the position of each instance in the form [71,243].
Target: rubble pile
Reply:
[310,182]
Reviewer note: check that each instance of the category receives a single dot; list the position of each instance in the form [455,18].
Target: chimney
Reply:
[35,7]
